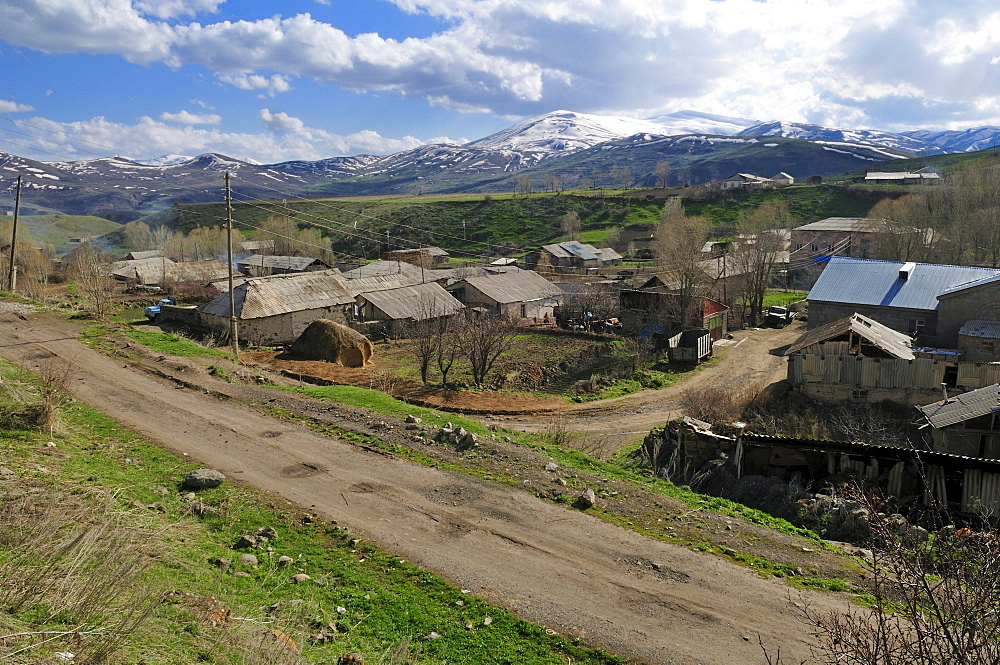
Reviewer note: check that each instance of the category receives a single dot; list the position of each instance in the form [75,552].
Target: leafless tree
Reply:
[934,597]
[90,269]
[482,339]
[552,181]
[677,241]
[662,170]
[756,252]
[569,224]
[137,236]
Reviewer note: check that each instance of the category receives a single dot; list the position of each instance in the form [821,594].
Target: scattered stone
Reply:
[50,444]
[341,610]
[808,549]
[587,499]
[189,497]
[161,490]
[551,466]
[248,541]
[6,473]
[299,578]
[242,573]
[285,560]
[412,420]
[351,659]
[433,635]
[200,479]
[220,563]
[560,481]
[729,551]
[487,621]
[248,560]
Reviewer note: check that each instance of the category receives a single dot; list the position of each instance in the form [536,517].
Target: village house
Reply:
[522,294]
[383,267]
[425,257]
[397,309]
[746,181]
[928,301]
[782,179]
[275,310]
[572,256]
[656,310]
[836,236]
[261,265]
[967,424]
[979,341]
[925,176]
[857,359]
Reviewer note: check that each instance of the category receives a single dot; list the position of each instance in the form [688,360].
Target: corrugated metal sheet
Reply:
[511,287]
[877,283]
[385,268]
[962,407]
[980,328]
[290,263]
[417,302]
[849,224]
[282,294]
[980,491]
[892,342]
[359,285]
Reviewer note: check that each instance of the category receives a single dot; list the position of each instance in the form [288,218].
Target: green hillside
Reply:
[60,229]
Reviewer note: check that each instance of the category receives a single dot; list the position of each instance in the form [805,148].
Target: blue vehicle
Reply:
[154,311]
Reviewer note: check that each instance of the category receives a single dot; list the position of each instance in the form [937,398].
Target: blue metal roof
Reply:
[868,282]
[580,250]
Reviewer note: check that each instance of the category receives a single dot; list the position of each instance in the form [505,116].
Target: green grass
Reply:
[162,342]
[387,603]
[59,229]
[783,298]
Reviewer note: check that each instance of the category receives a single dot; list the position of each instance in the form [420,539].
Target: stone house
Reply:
[523,294]
[572,256]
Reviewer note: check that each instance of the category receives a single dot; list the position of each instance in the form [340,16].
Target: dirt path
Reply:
[752,357]
[641,598]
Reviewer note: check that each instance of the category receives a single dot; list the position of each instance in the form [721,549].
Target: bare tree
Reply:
[934,597]
[756,252]
[677,241]
[136,236]
[482,339]
[569,224]
[90,269]
[662,170]
[552,181]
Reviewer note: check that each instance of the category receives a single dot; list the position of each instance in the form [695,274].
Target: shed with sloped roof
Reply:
[967,424]
[523,294]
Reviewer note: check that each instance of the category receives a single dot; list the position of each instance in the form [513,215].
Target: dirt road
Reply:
[641,598]
[751,357]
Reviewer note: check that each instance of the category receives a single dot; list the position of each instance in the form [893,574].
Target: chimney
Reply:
[904,272]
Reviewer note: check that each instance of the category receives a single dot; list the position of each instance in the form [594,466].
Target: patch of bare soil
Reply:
[379,377]
[520,547]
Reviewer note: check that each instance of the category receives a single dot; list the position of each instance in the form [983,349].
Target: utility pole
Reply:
[11,270]
[229,261]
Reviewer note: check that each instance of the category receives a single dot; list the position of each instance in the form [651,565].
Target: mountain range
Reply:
[558,149]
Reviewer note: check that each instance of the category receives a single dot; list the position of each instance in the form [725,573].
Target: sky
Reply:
[311,79]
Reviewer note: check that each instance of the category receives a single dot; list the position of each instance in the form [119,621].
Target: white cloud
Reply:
[273,85]
[8,106]
[188,118]
[285,138]
[834,61]
[175,8]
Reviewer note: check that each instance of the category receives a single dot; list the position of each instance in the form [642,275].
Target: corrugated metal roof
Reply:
[962,407]
[970,285]
[581,250]
[894,343]
[417,302]
[371,283]
[980,328]
[148,254]
[870,282]
[849,224]
[282,294]
[384,268]
[508,287]
[295,263]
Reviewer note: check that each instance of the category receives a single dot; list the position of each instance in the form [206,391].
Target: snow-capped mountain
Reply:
[693,122]
[807,132]
[565,131]
[967,140]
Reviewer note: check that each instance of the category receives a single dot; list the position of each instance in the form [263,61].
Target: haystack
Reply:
[333,342]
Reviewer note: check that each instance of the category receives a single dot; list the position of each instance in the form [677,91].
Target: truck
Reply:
[778,317]
[154,311]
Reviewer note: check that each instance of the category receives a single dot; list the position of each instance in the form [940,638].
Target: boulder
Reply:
[587,499]
[200,479]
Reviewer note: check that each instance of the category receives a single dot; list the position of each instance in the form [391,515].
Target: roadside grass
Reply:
[188,609]
[169,343]
[623,468]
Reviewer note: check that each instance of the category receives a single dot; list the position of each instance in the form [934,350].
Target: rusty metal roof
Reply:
[261,297]
[417,302]
[509,287]
[962,407]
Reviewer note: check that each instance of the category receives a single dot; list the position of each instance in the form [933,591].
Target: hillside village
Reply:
[861,321]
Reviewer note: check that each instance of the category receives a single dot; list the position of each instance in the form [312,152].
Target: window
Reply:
[798,246]
[986,345]
[814,247]
[859,395]
[915,326]
[524,311]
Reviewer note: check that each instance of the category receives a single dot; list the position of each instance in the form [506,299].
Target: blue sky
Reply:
[309,79]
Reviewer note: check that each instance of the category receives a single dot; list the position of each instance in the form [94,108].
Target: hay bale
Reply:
[333,342]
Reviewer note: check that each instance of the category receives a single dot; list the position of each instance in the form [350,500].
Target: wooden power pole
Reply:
[11,270]
[233,337]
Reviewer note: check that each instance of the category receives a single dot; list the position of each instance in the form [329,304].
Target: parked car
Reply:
[154,311]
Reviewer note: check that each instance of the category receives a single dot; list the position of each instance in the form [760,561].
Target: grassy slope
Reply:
[364,599]
[58,229]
